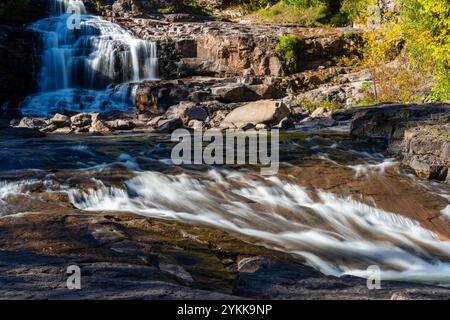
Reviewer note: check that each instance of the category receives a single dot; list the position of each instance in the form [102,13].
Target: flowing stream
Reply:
[339,205]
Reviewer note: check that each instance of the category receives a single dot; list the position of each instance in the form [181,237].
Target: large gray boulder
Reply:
[268,112]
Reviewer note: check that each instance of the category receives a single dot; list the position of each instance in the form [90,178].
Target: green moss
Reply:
[167,10]
[191,7]
[312,106]
[437,133]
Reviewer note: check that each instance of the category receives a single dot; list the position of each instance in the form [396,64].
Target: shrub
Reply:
[410,52]
[284,13]
[427,32]
[287,46]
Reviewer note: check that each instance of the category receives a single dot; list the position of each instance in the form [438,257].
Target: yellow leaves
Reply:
[410,50]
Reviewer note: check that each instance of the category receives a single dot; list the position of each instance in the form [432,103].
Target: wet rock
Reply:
[269,112]
[121,124]
[60,121]
[391,121]
[154,122]
[196,113]
[416,133]
[33,123]
[176,270]
[245,126]
[268,278]
[100,127]
[81,120]
[65,130]
[22,132]
[167,126]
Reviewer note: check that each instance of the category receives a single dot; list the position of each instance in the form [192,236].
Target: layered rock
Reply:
[267,112]
[124,256]
[342,87]
[226,48]
[417,133]
[427,151]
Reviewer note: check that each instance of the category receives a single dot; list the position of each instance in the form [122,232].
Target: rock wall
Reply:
[426,150]
[16,50]
[17,78]
[418,134]
[233,49]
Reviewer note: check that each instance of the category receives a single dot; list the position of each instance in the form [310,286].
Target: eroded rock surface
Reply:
[122,256]
[417,133]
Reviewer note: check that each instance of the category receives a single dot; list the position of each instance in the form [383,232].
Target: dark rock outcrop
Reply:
[426,150]
[269,278]
[16,65]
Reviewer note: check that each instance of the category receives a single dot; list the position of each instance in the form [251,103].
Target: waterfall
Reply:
[59,7]
[90,59]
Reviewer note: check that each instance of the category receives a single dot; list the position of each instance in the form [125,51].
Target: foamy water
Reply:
[92,67]
[336,235]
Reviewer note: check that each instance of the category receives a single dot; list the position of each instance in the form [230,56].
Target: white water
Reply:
[95,57]
[335,235]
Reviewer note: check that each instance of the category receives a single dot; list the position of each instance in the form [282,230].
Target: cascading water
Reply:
[336,235]
[87,67]
[339,231]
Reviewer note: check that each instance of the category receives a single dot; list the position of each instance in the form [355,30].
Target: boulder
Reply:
[81,120]
[33,123]
[121,124]
[154,122]
[196,113]
[60,121]
[199,96]
[195,124]
[390,122]
[320,113]
[230,93]
[179,110]
[167,126]
[269,112]
[100,127]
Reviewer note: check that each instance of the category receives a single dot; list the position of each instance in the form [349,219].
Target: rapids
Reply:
[334,220]
[339,206]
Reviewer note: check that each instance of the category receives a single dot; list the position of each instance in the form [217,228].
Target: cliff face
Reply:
[16,64]
[215,48]
[16,49]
